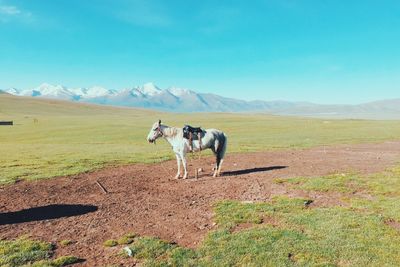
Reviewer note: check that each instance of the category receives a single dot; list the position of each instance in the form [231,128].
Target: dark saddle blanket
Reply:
[189,131]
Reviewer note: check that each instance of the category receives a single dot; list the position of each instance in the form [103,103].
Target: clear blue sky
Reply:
[321,51]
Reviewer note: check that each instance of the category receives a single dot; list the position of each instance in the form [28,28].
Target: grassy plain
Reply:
[53,138]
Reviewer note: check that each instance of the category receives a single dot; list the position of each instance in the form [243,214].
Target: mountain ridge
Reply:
[176,99]
[150,96]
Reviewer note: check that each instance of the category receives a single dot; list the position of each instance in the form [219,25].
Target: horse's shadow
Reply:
[48,212]
[252,170]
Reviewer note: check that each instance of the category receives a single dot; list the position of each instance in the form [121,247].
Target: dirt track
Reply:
[144,199]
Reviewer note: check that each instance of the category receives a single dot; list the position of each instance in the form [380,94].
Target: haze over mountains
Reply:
[184,100]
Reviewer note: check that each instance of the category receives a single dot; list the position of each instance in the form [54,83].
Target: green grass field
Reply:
[54,138]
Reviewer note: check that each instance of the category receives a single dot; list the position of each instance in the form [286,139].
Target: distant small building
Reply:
[6,123]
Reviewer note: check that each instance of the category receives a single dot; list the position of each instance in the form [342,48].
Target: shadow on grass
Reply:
[49,212]
[252,170]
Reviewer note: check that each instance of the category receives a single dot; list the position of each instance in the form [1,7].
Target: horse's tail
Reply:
[222,150]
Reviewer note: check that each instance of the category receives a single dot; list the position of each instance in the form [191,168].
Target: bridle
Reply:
[159,132]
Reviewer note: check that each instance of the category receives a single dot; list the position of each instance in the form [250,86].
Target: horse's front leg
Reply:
[184,163]
[178,161]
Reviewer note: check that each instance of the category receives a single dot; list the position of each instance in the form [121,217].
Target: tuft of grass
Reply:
[65,242]
[279,181]
[130,235]
[125,240]
[156,252]
[71,138]
[23,251]
[26,252]
[64,261]
[149,248]
[110,243]
[59,262]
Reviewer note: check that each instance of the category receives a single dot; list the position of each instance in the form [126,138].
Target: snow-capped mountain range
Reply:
[150,96]
[184,100]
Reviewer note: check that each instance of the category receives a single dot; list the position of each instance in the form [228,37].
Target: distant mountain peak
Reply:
[12,90]
[176,91]
[97,91]
[50,87]
[50,91]
[150,89]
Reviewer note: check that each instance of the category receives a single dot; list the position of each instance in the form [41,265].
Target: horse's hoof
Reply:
[185,177]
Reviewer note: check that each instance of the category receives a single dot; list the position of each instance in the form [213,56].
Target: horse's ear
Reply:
[159,122]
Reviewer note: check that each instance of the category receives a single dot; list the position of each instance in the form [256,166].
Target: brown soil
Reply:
[146,200]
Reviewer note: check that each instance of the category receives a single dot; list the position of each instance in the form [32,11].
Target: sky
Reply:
[319,51]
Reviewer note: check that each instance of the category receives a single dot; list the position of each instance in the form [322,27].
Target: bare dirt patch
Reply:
[394,224]
[144,199]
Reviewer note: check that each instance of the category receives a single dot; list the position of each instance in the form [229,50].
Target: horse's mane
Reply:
[171,131]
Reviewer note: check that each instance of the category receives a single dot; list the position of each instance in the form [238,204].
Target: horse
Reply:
[212,139]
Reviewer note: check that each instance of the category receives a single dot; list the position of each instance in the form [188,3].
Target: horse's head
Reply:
[155,132]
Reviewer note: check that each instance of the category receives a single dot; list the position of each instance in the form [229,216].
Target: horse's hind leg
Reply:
[217,167]
[220,149]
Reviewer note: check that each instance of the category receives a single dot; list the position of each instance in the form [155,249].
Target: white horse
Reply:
[213,139]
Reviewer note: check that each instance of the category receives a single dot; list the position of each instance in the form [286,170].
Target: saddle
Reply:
[189,132]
